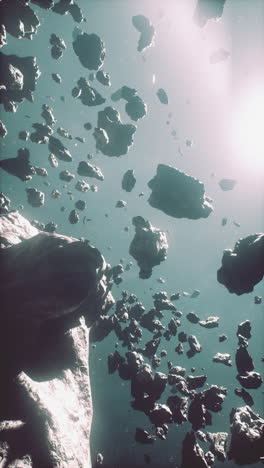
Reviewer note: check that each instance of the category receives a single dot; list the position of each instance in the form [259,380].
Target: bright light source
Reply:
[248,129]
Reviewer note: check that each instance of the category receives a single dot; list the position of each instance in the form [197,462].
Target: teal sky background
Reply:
[204,103]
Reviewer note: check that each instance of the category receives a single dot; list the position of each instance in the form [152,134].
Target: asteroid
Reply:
[4,204]
[88,170]
[135,107]
[88,95]
[192,454]
[19,166]
[58,149]
[128,180]
[103,78]
[177,194]
[35,197]
[148,247]
[192,317]
[119,136]
[227,184]
[147,32]
[206,10]
[56,77]
[247,436]
[3,130]
[143,437]
[218,443]
[74,217]
[195,346]
[66,176]
[243,267]
[210,322]
[224,358]
[90,49]
[162,96]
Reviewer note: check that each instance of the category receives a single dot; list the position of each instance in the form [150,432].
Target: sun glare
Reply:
[248,129]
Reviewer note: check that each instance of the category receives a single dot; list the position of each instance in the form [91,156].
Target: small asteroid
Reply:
[35,197]
[74,217]
[224,358]
[147,32]
[162,95]
[88,170]
[56,77]
[227,184]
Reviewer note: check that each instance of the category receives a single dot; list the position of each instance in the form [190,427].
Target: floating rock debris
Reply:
[210,322]
[42,133]
[82,186]
[147,32]
[206,10]
[218,444]
[119,136]
[224,358]
[90,49]
[243,267]
[88,170]
[3,130]
[195,346]
[120,204]
[19,166]
[56,77]
[103,78]
[74,217]
[257,300]
[247,436]
[88,95]
[53,160]
[58,149]
[66,176]
[18,80]
[242,393]
[178,195]
[4,204]
[135,107]
[192,317]
[47,114]
[58,46]
[162,95]
[143,437]
[69,6]
[23,135]
[149,246]
[128,180]
[192,454]
[35,197]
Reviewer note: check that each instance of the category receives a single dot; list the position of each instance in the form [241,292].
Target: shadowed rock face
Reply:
[247,429]
[178,194]
[208,9]
[243,267]
[48,282]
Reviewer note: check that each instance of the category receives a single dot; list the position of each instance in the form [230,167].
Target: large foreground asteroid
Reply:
[178,194]
[243,267]
[149,246]
[208,9]
[48,283]
[247,441]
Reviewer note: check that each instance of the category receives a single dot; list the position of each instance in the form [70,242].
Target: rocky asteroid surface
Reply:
[177,194]
[243,267]
[52,289]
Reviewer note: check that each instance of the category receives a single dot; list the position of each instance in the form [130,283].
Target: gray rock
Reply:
[210,322]
[56,77]
[177,194]
[58,149]
[162,96]
[47,373]
[227,184]
[47,114]
[128,180]
[247,436]
[4,203]
[90,49]
[74,217]
[53,160]
[148,247]
[119,136]
[35,197]
[224,358]
[103,78]
[192,454]
[218,444]
[243,267]
[3,130]
[41,134]
[195,346]
[82,186]
[251,380]
[88,95]
[88,170]
[206,10]
[66,176]
[147,32]
[244,329]
[192,317]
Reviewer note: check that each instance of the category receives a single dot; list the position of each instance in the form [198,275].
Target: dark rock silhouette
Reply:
[48,283]
[147,31]
[90,49]
[243,267]
[178,194]
[208,9]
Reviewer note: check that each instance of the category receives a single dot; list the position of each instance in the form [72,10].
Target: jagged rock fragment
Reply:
[3,130]
[243,267]
[195,294]
[244,329]
[63,7]
[119,136]
[88,95]
[20,21]
[148,247]
[257,300]
[147,32]
[161,414]
[135,107]
[74,217]
[210,322]
[4,204]
[19,166]
[120,204]
[192,317]
[56,77]
[87,126]
[241,392]
[88,170]
[195,346]
[90,49]
[66,176]
[206,10]
[18,80]
[224,358]
[35,197]
[58,46]
[196,381]
[177,194]
[53,160]
[55,194]
[58,149]
[64,133]
[103,78]
[250,380]
[82,186]
[80,205]
[222,338]
[192,454]
[42,133]
[47,114]
[247,436]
